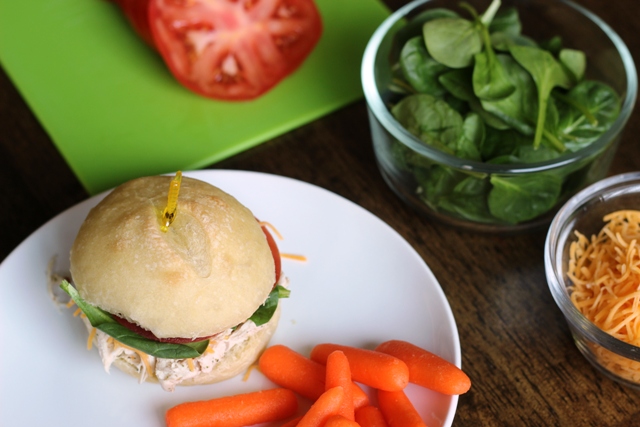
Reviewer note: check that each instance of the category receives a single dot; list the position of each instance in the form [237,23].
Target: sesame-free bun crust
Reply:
[210,271]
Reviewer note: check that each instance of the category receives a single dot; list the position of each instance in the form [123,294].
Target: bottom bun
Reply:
[169,372]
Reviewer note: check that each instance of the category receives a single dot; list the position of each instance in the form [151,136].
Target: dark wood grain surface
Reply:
[516,346]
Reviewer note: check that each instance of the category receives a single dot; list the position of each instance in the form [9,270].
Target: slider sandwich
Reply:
[178,282]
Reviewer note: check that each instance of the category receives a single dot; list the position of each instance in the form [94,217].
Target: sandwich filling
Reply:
[170,372]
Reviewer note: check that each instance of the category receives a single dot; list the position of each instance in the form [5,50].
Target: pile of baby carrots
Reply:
[329,378]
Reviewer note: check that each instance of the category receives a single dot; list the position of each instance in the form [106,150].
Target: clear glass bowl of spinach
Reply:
[490,115]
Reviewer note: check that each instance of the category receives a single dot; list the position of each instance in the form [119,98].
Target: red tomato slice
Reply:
[149,335]
[137,11]
[177,340]
[233,49]
[275,252]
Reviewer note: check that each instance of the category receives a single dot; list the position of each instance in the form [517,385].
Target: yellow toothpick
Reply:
[170,212]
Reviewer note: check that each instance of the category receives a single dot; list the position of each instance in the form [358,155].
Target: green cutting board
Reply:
[115,112]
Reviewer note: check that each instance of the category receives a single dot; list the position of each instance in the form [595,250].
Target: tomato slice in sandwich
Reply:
[275,252]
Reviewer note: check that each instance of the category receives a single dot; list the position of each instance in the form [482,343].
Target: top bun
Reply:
[210,271]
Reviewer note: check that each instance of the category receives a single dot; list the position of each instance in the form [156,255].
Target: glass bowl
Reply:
[584,213]
[476,195]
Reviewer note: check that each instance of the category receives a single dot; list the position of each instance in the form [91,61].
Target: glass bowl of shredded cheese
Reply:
[592,263]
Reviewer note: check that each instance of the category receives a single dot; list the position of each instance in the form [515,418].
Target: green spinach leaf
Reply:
[575,63]
[518,110]
[265,312]
[522,198]
[489,118]
[436,182]
[553,45]
[431,120]
[500,143]
[472,138]
[420,69]
[414,26]
[490,80]
[103,321]
[551,123]
[506,21]
[528,154]
[407,159]
[547,74]
[503,41]
[468,200]
[453,41]
[599,100]
[458,83]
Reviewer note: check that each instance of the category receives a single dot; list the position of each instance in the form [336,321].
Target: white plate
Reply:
[362,284]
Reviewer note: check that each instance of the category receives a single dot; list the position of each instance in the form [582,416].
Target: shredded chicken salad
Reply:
[168,372]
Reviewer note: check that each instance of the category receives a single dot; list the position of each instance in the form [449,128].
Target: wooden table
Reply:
[516,346]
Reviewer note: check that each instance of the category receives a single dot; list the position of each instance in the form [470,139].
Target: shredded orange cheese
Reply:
[92,335]
[248,373]
[77,312]
[209,348]
[190,364]
[272,228]
[143,356]
[294,257]
[605,271]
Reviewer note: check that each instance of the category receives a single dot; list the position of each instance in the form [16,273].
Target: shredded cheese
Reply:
[248,373]
[272,228]
[605,271]
[210,347]
[144,357]
[294,257]
[92,335]
[77,312]
[190,364]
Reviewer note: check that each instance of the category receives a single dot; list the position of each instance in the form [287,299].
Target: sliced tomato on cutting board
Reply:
[228,49]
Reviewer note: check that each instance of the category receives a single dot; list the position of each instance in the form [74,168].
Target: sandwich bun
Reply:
[208,272]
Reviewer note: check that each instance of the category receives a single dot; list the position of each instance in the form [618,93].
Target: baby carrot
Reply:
[370,416]
[398,410]
[292,423]
[340,421]
[289,369]
[427,369]
[372,368]
[339,374]
[321,410]
[360,398]
[235,411]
